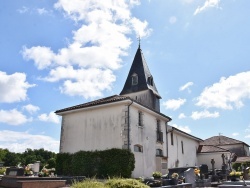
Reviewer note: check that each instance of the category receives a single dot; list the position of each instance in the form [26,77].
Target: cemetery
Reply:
[32,176]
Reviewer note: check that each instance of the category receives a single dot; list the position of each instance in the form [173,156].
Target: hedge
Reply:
[101,164]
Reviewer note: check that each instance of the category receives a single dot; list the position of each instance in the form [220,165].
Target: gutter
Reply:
[129,125]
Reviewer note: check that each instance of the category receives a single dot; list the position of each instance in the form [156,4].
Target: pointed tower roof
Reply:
[145,79]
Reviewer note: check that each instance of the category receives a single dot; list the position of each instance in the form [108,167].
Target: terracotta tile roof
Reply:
[109,99]
[242,159]
[221,140]
[210,149]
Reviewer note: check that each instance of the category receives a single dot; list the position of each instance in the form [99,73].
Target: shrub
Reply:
[157,174]
[125,183]
[64,164]
[88,183]
[51,163]
[235,173]
[111,183]
[102,164]
[2,171]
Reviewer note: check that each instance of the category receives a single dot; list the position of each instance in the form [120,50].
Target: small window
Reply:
[140,119]
[158,125]
[159,152]
[150,80]
[159,136]
[138,148]
[172,138]
[134,79]
[182,147]
[159,133]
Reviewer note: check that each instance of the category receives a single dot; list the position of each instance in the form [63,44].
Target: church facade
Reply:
[131,120]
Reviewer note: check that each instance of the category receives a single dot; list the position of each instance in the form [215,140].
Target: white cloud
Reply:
[187,1]
[140,27]
[207,4]
[235,134]
[42,56]
[174,104]
[31,108]
[83,82]
[13,117]
[186,86]
[247,129]
[20,141]
[182,128]
[91,50]
[182,116]
[172,20]
[228,92]
[23,10]
[204,114]
[51,117]
[42,11]
[13,88]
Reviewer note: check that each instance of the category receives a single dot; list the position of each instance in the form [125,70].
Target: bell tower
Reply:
[140,84]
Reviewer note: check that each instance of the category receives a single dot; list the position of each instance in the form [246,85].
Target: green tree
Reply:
[29,156]
[11,159]
[51,163]
[3,153]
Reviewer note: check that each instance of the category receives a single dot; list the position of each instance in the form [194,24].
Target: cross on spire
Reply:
[139,39]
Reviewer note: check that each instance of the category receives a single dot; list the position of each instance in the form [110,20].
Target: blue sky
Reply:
[56,54]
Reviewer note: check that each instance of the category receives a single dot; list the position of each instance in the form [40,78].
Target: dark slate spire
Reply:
[140,69]
[140,84]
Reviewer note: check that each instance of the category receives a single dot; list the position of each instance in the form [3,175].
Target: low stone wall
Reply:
[183,185]
[41,182]
[240,183]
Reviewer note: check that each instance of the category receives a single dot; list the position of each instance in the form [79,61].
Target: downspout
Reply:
[167,137]
[129,126]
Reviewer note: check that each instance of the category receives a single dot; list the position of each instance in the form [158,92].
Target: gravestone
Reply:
[214,177]
[213,169]
[246,173]
[190,176]
[203,171]
[223,167]
[13,171]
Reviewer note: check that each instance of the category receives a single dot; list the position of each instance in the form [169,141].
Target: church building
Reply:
[131,120]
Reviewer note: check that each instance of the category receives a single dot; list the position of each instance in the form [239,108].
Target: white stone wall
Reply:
[93,129]
[175,156]
[146,162]
[105,127]
[205,158]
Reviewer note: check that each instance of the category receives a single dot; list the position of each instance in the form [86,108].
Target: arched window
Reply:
[134,79]
[138,148]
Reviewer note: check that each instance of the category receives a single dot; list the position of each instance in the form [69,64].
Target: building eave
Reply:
[184,133]
[112,100]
